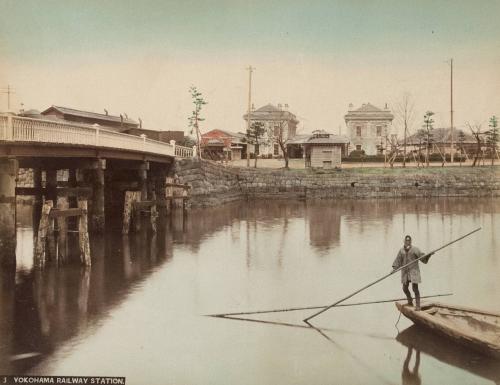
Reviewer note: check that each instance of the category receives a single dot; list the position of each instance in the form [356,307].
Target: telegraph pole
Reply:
[451,109]
[8,91]
[250,70]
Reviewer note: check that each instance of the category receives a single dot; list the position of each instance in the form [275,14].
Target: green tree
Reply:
[255,137]
[195,117]
[428,127]
[492,138]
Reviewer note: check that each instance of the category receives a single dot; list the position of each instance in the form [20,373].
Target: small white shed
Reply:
[325,150]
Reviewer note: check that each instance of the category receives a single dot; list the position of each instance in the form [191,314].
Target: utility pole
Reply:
[8,91]
[250,70]
[451,109]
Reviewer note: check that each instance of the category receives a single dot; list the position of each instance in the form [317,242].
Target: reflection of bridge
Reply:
[101,164]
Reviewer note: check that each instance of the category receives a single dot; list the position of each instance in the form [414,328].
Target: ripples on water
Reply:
[138,311]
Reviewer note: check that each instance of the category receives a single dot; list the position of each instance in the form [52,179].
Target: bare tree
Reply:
[420,135]
[405,115]
[461,140]
[282,139]
[394,149]
[476,132]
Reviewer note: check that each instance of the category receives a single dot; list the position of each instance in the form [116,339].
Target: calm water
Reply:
[139,312]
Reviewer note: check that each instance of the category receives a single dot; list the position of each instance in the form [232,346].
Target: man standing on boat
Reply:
[407,254]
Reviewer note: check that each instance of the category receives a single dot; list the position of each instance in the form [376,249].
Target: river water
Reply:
[141,311]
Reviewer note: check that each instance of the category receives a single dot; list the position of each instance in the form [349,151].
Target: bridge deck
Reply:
[25,137]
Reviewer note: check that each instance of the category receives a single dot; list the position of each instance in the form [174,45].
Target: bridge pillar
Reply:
[8,174]
[143,180]
[72,200]
[37,204]
[51,184]
[98,214]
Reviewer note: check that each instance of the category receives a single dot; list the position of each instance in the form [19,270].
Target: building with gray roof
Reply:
[116,123]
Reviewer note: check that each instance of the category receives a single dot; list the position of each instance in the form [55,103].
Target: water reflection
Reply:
[448,352]
[43,308]
[246,256]
[324,226]
[411,376]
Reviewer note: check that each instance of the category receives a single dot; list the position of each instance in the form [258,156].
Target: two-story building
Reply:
[368,128]
[277,121]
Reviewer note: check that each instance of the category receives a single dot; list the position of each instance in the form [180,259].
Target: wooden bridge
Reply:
[101,166]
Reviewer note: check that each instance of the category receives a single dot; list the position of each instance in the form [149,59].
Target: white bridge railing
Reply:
[20,129]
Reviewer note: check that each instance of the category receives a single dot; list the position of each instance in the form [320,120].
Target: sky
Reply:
[141,58]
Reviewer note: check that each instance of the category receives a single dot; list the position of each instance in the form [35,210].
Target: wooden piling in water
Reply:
[51,255]
[40,247]
[83,233]
[153,212]
[38,197]
[128,209]
[98,209]
[62,226]
[8,174]
[143,180]
[169,192]
[51,184]
[160,194]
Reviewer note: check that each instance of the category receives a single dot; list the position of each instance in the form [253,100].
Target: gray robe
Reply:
[410,273]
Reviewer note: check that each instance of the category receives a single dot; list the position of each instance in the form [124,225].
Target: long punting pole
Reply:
[222,315]
[306,320]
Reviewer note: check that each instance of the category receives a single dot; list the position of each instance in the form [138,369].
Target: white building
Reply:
[368,128]
[274,119]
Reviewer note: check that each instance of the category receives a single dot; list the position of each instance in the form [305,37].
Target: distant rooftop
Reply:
[88,114]
[441,135]
[368,112]
[271,112]
[318,137]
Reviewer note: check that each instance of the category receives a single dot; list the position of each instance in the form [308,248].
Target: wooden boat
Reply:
[476,329]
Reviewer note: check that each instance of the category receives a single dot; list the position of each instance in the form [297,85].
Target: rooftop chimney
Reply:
[106,111]
[140,123]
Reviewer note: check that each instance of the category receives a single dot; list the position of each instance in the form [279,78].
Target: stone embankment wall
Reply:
[213,184]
